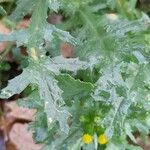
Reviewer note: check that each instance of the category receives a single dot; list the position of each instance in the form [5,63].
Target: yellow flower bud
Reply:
[102,139]
[86,138]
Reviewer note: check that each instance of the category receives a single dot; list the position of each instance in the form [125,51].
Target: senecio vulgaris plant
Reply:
[97,99]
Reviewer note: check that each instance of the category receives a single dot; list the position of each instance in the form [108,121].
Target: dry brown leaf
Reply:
[22,138]
[14,111]
[145,146]
[10,146]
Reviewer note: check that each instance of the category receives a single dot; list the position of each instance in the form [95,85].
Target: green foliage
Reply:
[2,11]
[23,8]
[78,88]
[104,90]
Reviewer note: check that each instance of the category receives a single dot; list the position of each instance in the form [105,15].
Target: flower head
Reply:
[86,138]
[102,139]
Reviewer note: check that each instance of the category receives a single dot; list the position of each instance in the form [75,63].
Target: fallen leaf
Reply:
[22,138]
[14,111]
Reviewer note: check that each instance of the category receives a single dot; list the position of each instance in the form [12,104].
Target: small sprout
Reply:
[86,138]
[102,139]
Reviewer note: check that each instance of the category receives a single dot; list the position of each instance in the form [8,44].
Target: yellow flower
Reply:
[102,139]
[86,138]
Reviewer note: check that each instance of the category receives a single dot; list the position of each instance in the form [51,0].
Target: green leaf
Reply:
[18,84]
[22,9]
[64,142]
[116,46]
[147,72]
[49,91]
[139,57]
[77,88]
[38,30]
[54,5]
[37,23]
[122,27]
[2,11]
[64,36]
[129,131]
[45,82]
[115,118]
[59,63]
[39,27]
[122,146]
[111,76]
[32,101]
[21,37]
[39,125]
